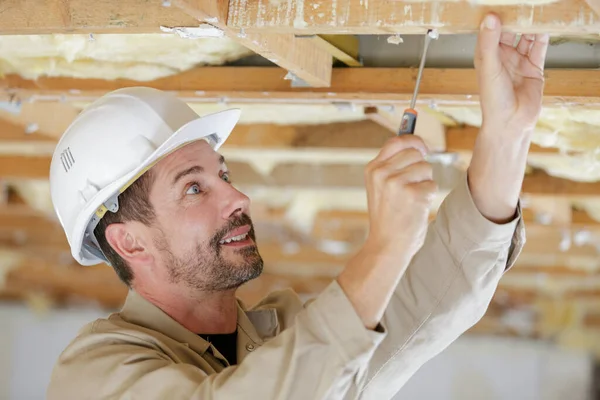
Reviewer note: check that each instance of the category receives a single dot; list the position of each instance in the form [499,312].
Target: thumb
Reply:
[488,44]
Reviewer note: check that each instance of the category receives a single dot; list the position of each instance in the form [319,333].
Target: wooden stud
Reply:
[305,60]
[366,86]
[406,17]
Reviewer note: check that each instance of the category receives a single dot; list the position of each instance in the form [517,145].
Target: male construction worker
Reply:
[137,182]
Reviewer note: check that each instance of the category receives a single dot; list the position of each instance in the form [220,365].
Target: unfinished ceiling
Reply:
[310,122]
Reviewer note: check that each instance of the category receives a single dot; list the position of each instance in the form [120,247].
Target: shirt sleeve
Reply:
[318,357]
[446,290]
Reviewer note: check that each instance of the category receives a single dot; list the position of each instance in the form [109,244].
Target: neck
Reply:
[207,313]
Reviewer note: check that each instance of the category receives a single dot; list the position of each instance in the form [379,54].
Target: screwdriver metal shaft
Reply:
[409,119]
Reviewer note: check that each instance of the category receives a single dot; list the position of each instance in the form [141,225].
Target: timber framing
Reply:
[299,17]
[304,59]
[365,86]
[406,17]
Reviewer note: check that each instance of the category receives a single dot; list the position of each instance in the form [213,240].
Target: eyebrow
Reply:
[193,170]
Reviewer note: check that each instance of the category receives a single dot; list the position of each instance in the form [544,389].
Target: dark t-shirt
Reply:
[225,343]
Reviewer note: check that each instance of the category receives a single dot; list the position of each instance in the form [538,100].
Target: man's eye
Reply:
[225,176]
[194,189]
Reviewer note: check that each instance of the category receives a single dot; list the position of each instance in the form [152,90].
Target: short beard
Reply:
[205,269]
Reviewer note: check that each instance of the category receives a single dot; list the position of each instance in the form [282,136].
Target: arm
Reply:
[478,232]
[316,358]
[444,292]
[327,349]
[511,81]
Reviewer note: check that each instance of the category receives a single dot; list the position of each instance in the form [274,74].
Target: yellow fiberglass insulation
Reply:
[574,132]
[142,57]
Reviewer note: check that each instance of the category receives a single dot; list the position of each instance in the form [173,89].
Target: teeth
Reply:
[234,239]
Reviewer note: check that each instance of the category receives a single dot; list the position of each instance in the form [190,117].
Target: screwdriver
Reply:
[409,119]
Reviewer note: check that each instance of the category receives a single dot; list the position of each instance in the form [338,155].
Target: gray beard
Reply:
[205,269]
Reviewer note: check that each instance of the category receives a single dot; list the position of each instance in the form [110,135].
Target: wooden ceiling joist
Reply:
[366,86]
[307,61]
[33,17]
[295,17]
[406,17]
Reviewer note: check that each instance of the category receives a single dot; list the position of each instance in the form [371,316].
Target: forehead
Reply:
[197,153]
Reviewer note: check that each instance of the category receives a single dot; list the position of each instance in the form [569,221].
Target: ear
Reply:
[128,243]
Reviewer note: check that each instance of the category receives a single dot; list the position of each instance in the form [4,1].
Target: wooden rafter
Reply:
[27,17]
[306,60]
[367,86]
[391,17]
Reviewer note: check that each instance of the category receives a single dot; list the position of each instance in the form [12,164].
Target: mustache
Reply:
[233,223]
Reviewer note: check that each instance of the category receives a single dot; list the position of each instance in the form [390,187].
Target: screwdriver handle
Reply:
[409,121]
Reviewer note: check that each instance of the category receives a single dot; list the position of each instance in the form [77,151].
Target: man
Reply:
[159,207]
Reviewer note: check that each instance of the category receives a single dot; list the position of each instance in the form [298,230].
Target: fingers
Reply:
[403,159]
[417,172]
[537,54]
[488,40]
[525,43]
[425,190]
[508,38]
[396,144]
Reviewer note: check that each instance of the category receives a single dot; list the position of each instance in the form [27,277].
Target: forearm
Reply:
[496,172]
[369,280]
[445,290]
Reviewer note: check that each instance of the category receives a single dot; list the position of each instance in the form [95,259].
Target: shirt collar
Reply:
[254,326]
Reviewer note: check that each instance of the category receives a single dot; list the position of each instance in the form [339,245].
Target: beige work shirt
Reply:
[292,350]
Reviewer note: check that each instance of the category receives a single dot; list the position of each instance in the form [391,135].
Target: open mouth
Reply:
[237,238]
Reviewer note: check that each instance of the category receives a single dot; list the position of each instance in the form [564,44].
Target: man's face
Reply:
[203,235]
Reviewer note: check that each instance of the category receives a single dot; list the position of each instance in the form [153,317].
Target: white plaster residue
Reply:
[288,12]
[395,39]
[212,20]
[260,22]
[408,11]
[333,12]
[202,31]
[316,5]
[299,21]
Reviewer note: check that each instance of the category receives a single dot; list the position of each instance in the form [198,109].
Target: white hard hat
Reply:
[109,145]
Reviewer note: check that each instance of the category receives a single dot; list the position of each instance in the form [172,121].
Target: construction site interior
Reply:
[321,86]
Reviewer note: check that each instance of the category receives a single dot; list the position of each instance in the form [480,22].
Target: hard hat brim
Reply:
[214,128]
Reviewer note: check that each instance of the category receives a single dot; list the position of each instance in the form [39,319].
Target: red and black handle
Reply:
[409,121]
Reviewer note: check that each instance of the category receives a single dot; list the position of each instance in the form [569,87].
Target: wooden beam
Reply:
[540,183]
[405,17]
[303,58]
[304,175]
[462,138]
[366,86]
[32,17]
[341,47]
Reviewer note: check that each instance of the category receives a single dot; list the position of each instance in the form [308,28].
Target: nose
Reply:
[236,202]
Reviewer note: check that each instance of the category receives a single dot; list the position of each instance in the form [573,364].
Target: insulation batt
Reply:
[141,57]
[574,132]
